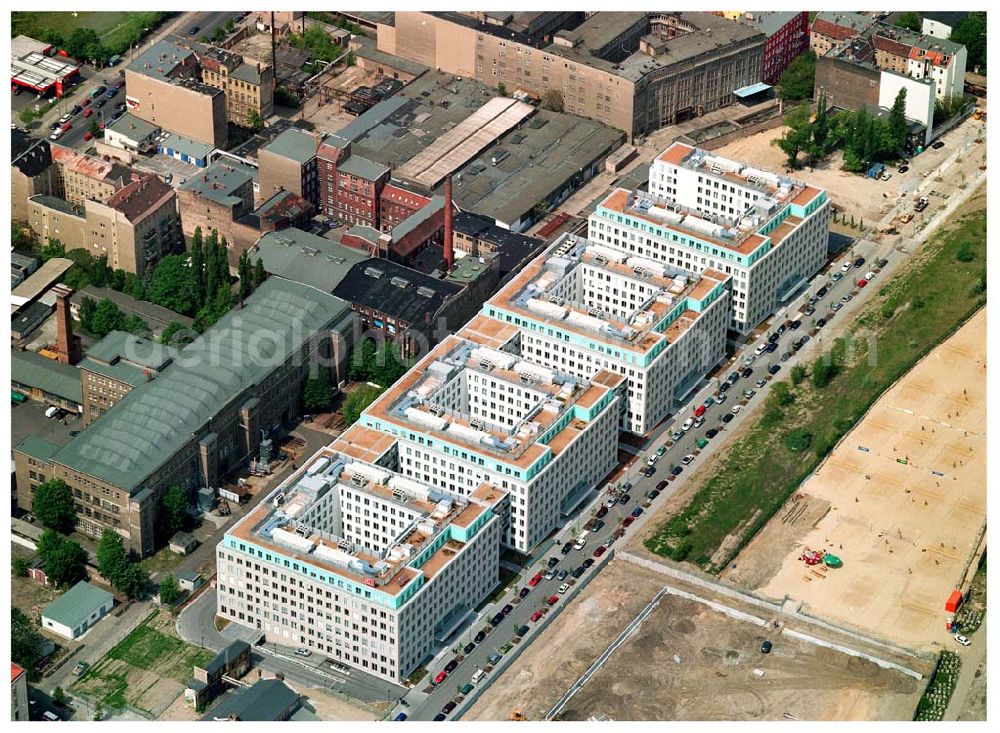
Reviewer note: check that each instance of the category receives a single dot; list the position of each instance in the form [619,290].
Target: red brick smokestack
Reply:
[68,344]
[449,252]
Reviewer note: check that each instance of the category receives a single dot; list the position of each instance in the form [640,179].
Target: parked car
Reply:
[794,325]
[765,648]
[637,512]
[677,435]
[938,145]
[506,609]
[862,283]
[521,630]
[80,668]
[677,470]
[563,574]
[711,433]
[760,383]
[534,581]
[772,347]
[567,548]
[653,494]
[601,512]
[563,588]
[686,460]
[628,521]
[846,267]
[468,648]
[809,310]
[687,424]
[747,373]
[578,572]
[303,652]
[699,411]
[524,592]
[774,369]
[648,471]
[494,658]
[723,388]
[661,450]
[722,397]
[598,525]
[820,323]
[904,168]
[786,356]
[480,636]
[600,550]
[95,93]
[588,563]
[51,717]
[448,707]
[536,615]
[859,262]
[450,667]
[736,409]
[88,136]
[553,561]
[749,393]
[963,640]
[727,417]
[625,499]
[29,518]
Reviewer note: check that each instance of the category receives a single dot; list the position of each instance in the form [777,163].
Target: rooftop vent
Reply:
[400,282]
[373,272]
[425,291]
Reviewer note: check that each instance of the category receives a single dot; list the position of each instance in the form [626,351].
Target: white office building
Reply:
[768,232]
[359,563]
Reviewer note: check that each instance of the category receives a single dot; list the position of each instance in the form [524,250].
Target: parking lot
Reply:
[28,418]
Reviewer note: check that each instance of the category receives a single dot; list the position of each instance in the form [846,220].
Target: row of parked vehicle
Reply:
[97,98]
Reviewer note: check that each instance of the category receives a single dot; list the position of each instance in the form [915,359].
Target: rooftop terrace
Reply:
[294,522]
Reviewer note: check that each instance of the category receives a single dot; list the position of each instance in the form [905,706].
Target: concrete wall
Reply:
[184,111]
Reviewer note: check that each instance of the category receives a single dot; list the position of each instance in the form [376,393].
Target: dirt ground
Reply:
[25,593]
[714,679]
[332,707]
[903,531]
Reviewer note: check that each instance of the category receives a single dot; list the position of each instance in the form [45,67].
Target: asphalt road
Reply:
[207,23]
[425,707]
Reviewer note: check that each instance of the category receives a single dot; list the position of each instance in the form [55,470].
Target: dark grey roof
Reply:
[293,144]
[30,155]
[48,375]
[30,316]
[128,358]
[266,700]
[226,656]
[306,258]
[395,290]
[157,419]
[514,248]
[159,60]
[220,181]
[361,167]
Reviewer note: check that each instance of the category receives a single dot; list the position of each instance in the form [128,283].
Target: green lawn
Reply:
[111,26]
[911,314]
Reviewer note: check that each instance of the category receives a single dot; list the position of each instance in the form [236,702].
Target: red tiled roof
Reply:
[15,671]
[838,32]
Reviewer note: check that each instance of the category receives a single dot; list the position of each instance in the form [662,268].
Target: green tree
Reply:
[88,307]
[799,78]
[244,272]
[52,248]
[501,90]
[796,138]
[971,33]
[553,100]
[910,21]
[823,371]
[254,122]
[59,697]
[136,326]
[259,275]
[317,394]
[112,559]
[175,504]
[198,266]
[81,41]
[363,361]
[176,334]
[65,561]
[19,566]
[22,238]
[388,368]
[134,582]
[172,285]
[53,506]
[798,440]
[965,252]
[107,317]
[170,591]
[782,393]
[25,642]
[798,373]
[356,402]
[897,120]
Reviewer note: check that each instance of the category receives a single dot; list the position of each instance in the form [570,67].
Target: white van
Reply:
[52,411]
[478,676]
[580,541]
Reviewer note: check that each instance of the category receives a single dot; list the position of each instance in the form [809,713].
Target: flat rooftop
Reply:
[532,294]
[420,401]
[286,523]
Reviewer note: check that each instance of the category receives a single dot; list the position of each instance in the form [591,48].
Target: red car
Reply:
[862,282]
[67,126]
[552,600]
[600,551]
[88,112]
[536,580]
[699,411]
[628,520]
[441,676]
[601,512]
[536,615]
[88,135]
[85,103]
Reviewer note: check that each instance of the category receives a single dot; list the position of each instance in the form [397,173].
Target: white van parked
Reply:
[52,411]
[478,676]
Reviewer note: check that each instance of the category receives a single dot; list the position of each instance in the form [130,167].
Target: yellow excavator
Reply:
[518,716]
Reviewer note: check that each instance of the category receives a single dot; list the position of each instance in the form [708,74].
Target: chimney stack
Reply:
[68,344]
[449,252]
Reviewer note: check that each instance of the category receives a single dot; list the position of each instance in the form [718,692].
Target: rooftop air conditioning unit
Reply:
[477,424]
[358,480]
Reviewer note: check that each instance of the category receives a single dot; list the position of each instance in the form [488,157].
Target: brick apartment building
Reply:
[399,202]
[787,34]
[202,417]
[80,177]
[350,186]
[832,28]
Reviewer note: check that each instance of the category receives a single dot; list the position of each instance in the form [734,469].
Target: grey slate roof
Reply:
[227,655]
[398,291]
[161,58]
[264,701]
[74,606]
[39,448]
[49,375]
[125,357]
[133,127]
[302,257]
[219,182]
[361,167]
[154,421]
[294,145]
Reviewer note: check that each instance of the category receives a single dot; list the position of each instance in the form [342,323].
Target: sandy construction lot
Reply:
[904,531]
[714,680]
